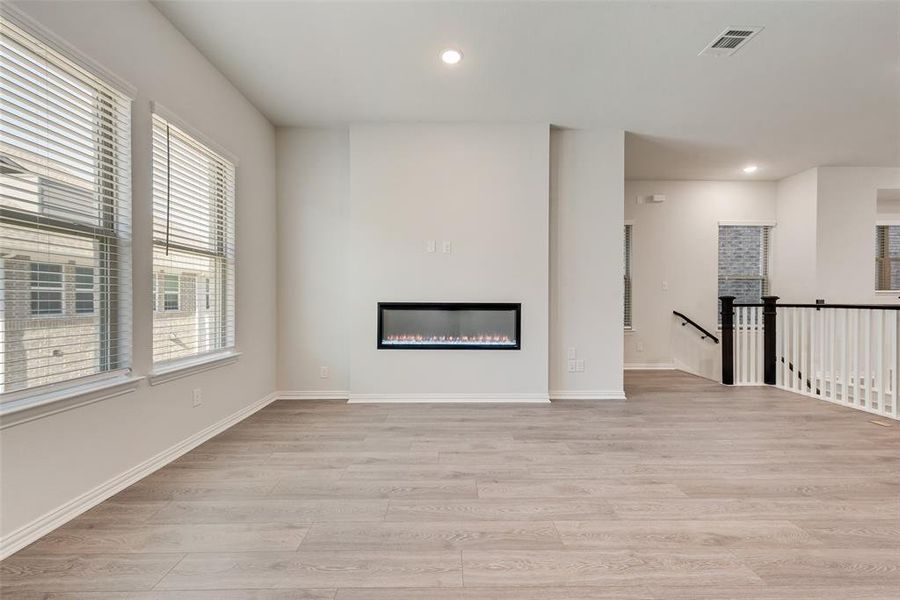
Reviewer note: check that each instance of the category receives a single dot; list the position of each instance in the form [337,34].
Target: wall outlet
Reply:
[579,365]
[571,353]
[665,286]
[198,397]
[323,372]
[430,246]
[640,346]
[447,247]
[571,366]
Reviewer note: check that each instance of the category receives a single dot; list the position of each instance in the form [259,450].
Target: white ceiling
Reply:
[819,86]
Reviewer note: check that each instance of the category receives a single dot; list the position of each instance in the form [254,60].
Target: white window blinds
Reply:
[744,262]
[65,218]
[887,257]
[628,276]
[193,246]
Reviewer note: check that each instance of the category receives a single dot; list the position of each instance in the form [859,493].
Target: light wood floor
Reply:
[688,490]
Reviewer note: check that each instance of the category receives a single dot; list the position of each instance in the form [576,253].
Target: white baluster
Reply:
[879,358]
[832,346]
[845,358]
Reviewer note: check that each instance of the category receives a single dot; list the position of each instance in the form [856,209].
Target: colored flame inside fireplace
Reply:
[449,340]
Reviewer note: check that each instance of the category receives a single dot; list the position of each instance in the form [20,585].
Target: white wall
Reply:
[586,237]
[675,244]
[483,188]
[313,252]
[845,242]
[794,240]
[52,460]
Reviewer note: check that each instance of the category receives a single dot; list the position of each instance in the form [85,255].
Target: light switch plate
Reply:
[198,397]
[571,353]
[579,365]
[430,246]
[323,372]
[447,247]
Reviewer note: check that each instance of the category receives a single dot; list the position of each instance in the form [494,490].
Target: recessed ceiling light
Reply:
[750,169]
[451,56]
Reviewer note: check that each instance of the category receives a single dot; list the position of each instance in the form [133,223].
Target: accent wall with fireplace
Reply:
[480,195]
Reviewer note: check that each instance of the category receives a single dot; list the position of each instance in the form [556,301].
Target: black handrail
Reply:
[688,320]
[862,306]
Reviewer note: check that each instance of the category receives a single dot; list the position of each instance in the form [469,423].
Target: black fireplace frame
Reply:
[496,306]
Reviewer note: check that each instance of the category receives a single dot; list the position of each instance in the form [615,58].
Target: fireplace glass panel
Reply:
[462,326]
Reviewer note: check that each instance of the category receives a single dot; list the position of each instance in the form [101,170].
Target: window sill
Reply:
[16,412]
[887,293]
[183,368]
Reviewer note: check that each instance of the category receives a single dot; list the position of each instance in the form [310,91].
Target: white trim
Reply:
[38,406]
[650,366]
[43,525]
[184,368]
[750,223]
[40,31]
[587,395]
[314,395]
[887,292]
[887,222]
[442,398]
[173,119]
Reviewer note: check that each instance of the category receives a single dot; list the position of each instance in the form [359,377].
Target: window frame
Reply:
[39,289]
[92,290]
[166,279]
[112,102]
[222,253]
[628,299]
[766,263]
[880,259]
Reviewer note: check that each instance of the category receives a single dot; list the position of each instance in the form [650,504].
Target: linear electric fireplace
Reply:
[449,326]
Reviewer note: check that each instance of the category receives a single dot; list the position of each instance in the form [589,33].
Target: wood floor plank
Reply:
[498,593]
[583,567]
[432,536]
[684,534]
[271,511]
[816,566]
[315,569]
[442,489]
[498,509]
[855,533]
[69,572]
[287,594]
[164,537]
[577,488]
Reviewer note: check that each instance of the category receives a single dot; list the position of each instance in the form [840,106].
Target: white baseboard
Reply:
[587,395]
[448,398]
[41,526]
[649,366]
[314,395]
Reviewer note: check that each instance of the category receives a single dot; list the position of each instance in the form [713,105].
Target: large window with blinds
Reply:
[887,257]
[744,262]
[65,219]
[193,247]
[628,243]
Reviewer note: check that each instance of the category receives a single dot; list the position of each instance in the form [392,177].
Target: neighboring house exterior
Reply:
[55,288]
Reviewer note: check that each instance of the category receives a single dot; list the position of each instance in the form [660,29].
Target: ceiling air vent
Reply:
[730,41]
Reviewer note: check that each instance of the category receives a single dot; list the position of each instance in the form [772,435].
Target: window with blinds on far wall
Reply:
[193,247]
[887,257]
[65,220]
[628,276]
[744,262]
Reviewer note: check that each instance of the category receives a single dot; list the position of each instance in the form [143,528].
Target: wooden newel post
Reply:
[770,314]
[727,339]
